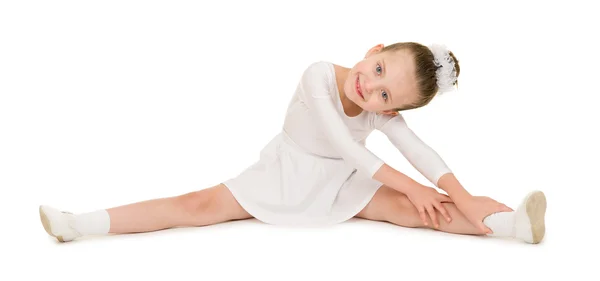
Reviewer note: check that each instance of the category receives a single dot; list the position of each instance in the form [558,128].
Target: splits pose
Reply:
[318,171]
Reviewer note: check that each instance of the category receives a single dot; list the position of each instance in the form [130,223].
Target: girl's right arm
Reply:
[399,181]
[317,82]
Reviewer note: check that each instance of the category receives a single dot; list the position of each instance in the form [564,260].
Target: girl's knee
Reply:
[214,204]
[406,213]
[402,201]
[197,202]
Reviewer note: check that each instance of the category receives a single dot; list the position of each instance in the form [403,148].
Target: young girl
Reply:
[317,170]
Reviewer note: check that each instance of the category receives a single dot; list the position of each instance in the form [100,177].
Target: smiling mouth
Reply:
[357,88]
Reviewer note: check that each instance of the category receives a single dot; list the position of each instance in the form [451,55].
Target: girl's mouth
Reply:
[357,87]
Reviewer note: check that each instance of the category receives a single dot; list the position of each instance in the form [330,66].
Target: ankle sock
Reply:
[526,223]
[502,224]
[92,223]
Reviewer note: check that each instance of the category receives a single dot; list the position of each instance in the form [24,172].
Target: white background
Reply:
[104,103]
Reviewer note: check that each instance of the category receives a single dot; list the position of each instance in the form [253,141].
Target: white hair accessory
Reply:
[446,72]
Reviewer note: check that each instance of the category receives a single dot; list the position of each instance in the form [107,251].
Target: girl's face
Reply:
[382,81]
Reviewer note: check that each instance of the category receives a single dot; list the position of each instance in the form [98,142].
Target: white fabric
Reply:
[525,223]
[420,155]
[317,170]
[58,223]
[502,224]
[92,223]
[315,90]
[69,226]
[446,72]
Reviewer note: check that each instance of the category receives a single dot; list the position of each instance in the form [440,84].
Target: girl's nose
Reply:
[369,87]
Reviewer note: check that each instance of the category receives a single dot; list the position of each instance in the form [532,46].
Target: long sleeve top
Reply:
[316,121]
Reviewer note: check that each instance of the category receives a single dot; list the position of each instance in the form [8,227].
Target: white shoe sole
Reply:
[536,211]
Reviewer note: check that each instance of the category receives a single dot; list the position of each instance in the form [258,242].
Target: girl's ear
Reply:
[374,50]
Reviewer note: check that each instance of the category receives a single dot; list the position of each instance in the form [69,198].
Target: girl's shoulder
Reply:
[323,67]
[319,72]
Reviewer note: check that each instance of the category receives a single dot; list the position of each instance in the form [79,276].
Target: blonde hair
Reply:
[425,71]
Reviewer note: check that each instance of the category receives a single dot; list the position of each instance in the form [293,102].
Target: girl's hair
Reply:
[425,71]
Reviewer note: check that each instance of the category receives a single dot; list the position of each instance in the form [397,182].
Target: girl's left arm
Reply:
[421,156]
[431,165]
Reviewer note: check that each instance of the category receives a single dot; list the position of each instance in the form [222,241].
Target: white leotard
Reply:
[316,121]
[318,169]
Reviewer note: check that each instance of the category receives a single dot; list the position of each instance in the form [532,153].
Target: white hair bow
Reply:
[446,72]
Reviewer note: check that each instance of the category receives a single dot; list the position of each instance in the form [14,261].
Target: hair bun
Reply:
[446,70]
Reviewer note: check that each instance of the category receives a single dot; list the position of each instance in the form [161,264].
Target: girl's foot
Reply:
[58,223]
[527,223]
[66,226]
[530,225]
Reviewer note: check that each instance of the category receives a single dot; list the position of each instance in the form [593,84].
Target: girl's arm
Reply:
[395,179]
[455,190]
[420,155]
[431,165]
[315,88]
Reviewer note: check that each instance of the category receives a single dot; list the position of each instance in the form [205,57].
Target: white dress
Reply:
[317,170]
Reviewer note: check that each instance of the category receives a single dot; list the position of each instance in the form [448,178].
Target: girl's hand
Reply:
[427,200]
[477,208]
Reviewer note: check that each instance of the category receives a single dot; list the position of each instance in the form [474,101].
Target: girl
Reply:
[317,170]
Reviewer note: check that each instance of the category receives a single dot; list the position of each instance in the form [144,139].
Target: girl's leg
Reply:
[392,206]
[205,207]
[198,208]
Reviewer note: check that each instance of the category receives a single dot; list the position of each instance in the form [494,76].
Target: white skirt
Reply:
[290,186]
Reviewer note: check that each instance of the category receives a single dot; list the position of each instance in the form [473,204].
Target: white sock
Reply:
[92,223]
[526,223]
[502,224]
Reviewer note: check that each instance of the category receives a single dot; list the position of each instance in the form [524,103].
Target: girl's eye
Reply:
[383,94]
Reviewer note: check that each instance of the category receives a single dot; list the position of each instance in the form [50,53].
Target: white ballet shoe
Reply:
[530,224]
[57,223]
